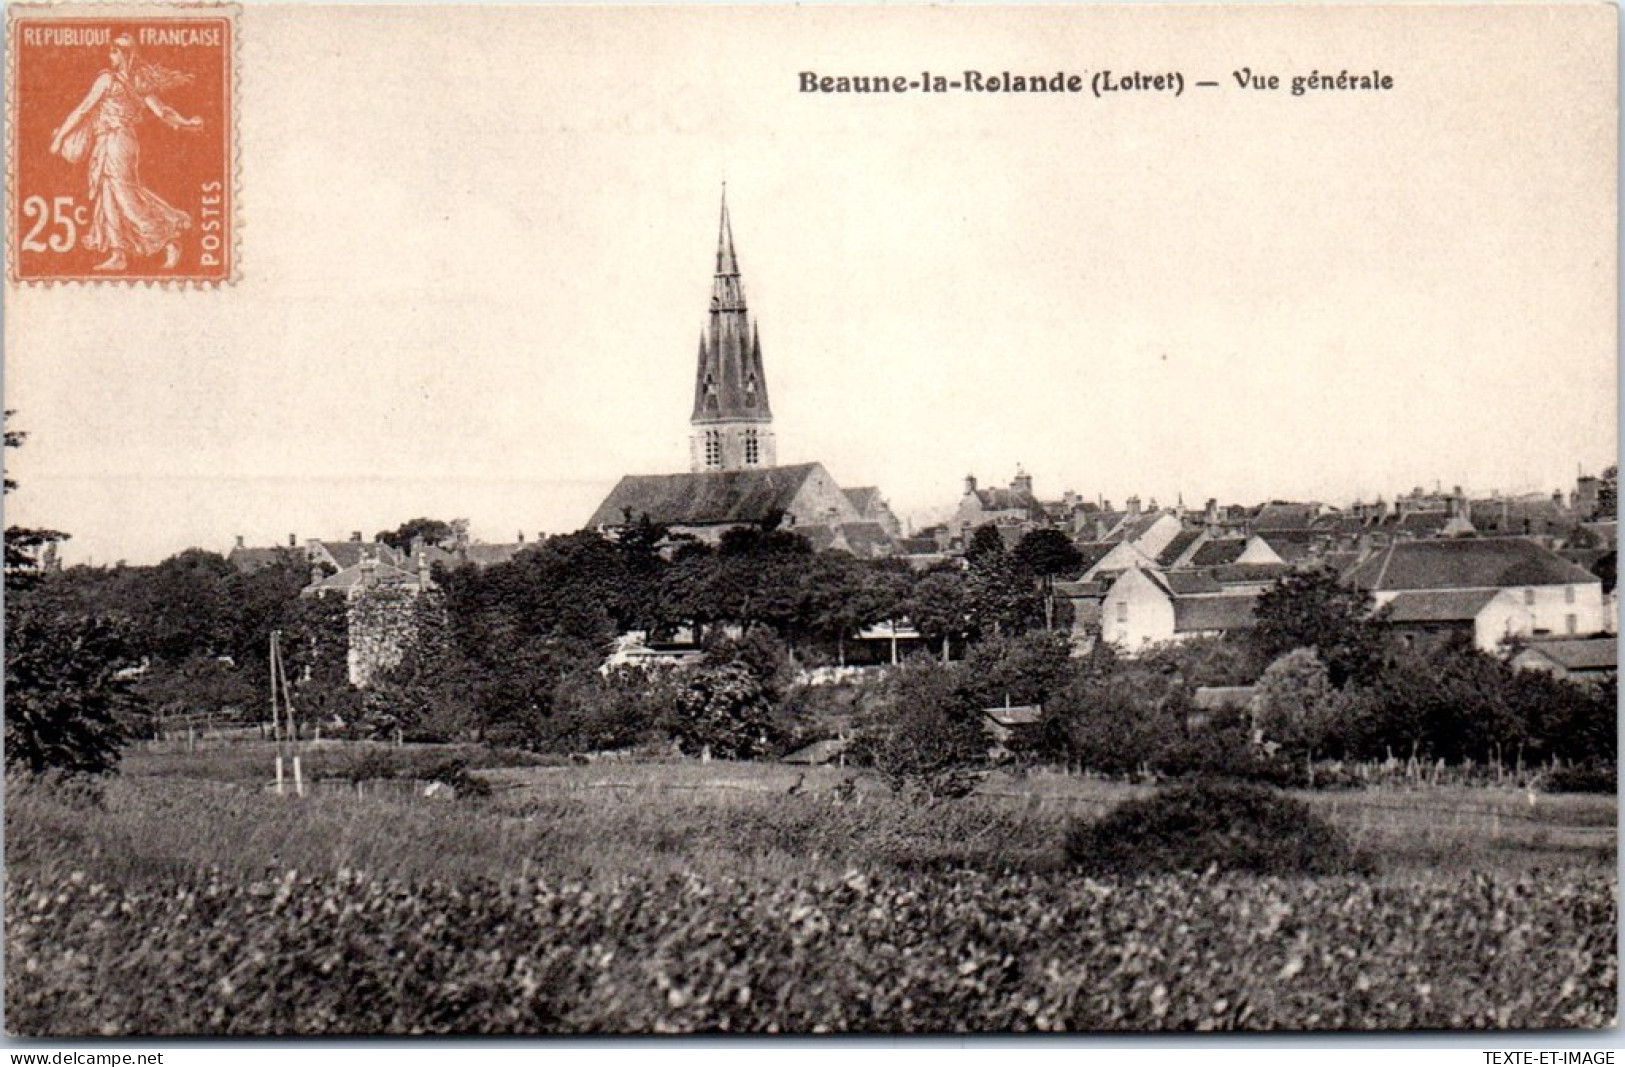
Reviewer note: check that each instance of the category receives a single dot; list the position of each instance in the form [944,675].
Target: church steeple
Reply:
[732,421]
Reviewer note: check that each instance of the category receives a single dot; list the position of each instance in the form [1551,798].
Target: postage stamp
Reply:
[120,159]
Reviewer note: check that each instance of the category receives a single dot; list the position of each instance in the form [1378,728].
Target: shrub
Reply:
[625,709]
[1583,778]
[63,696]
[932,743]
[1201,825]
[724,712]
[454,772]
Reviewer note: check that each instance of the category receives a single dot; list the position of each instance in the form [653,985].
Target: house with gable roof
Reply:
[1493,588]
[1585,660]
[1014,506]
[872,507]
[382,617]
[1145,608]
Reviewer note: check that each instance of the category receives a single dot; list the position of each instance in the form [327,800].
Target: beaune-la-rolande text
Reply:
[976,81]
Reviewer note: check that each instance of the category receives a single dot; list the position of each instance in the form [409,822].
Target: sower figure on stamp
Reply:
[129,219]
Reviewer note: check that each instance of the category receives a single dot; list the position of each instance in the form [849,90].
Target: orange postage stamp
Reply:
[121,152]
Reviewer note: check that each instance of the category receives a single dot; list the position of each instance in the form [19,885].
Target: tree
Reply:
[1293,703]
[204,684]
[433,532]
[1608,492]
[1046,554]
[26,548]
[64,698]
[1314,609]
[930,742]
[183,607]
[1450,702]
[840,595]
[626,708]
[1114,721]
[940,608]
[1027,669]
[724,712]
[985,543]
[1000,598]
[315,651]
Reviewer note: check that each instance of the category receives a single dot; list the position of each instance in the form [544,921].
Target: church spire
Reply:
[726,261]
[732,421]
[728,292]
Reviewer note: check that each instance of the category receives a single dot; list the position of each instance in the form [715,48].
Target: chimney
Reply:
[970,484]
[293,540]
[1022,482]
[1133,505]
[1210,513]
[521,537]
[355,536]
[239,540]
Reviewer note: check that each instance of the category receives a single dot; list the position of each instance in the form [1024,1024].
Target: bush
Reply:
[724,712]
[454,773]
[625,709]
[1583,778]
[1201,825]
[63,697]
[931,743]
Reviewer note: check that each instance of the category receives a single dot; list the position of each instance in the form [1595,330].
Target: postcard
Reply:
[810,519]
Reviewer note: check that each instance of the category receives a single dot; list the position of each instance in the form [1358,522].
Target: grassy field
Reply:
[723,897]
[684,896]
[169,814]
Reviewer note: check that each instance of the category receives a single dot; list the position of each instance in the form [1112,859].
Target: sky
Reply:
[476,251]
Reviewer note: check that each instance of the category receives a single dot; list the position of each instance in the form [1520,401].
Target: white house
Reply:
[1500,586]
[1142,609]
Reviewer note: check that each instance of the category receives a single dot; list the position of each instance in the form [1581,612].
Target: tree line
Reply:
[512,654]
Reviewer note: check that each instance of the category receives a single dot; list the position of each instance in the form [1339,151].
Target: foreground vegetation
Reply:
[192,900]
[959,951]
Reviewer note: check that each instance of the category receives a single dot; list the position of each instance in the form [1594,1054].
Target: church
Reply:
[734,478]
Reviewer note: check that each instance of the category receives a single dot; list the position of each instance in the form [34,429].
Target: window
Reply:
[1122,611]
[1529,597]
[1568,594]
[753,451]
[713,448]
[1571,624]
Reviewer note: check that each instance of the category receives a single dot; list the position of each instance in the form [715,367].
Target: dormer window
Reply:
[710,393]
[750,391]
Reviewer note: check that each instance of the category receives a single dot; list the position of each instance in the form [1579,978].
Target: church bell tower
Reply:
[732,423]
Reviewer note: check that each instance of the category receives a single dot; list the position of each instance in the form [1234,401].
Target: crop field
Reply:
[686,896]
